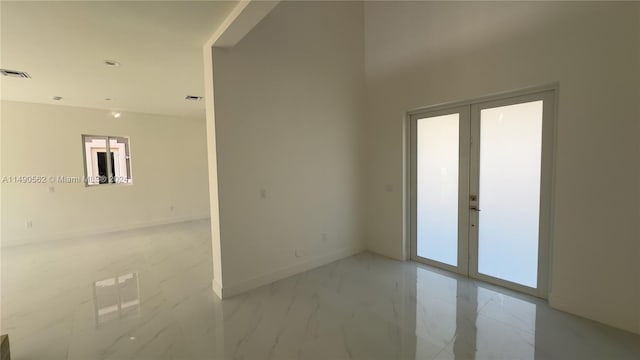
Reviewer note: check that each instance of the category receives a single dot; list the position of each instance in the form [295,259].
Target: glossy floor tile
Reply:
[146,294]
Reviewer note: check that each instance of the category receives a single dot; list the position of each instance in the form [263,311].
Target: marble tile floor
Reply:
[146,294]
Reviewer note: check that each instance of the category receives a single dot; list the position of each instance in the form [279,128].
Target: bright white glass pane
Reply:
[510,154]
[437,190]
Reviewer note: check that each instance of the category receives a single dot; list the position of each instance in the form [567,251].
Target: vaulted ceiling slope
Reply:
[63,47]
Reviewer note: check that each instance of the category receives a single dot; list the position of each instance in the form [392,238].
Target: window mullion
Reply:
[109,164]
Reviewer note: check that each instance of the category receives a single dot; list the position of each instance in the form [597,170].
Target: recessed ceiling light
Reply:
[111,63]
[56,98]
[116,114]
[15,73]
[193,98]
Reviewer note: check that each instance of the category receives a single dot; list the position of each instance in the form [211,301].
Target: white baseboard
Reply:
[387,255]
[562,304]
[217,288]
[228,290]
[100,231]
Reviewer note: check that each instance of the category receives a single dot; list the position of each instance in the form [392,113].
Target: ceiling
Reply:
[63,46]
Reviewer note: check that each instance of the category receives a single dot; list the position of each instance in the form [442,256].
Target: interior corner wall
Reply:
[288,111]
[424,53]
[169,168]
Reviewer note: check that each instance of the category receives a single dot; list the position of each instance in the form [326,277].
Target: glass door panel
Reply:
[510,155]
[440,177]
[437,171]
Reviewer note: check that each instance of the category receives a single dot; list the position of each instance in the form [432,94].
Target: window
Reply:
[102,169]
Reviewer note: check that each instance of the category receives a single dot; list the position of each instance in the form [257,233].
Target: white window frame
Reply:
[120,160]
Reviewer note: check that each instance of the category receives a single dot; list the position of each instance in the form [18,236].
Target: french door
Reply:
[480,188]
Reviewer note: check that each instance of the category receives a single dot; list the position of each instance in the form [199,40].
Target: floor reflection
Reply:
[435,313]
[464,346]
[116,298]
[476,322]
[506,326]
[161,306]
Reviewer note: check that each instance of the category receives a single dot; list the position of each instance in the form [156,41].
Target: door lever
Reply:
[474,208]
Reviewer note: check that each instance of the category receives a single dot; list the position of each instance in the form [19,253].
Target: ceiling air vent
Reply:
[15,73]
[193,98]
[111,63]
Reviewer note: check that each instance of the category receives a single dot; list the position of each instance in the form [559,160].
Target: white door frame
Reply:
[463,187]
[467,259]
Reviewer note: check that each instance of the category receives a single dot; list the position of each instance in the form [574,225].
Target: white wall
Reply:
[169,167]
[419,54]
[288,112]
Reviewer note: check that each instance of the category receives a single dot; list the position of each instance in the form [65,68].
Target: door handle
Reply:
[474,208]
